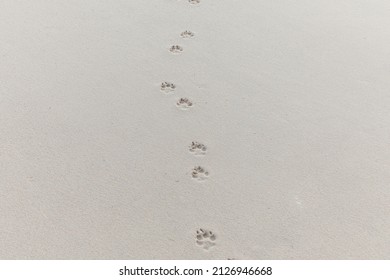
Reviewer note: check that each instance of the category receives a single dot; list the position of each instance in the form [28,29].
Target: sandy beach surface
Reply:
[211,129]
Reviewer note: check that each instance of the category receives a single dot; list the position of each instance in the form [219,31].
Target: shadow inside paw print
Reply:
[184,103]
[199,173]
[167,87]
[176,49]
[205,238]
[197,148]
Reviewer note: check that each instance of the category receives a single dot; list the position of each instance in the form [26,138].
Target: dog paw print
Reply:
[167,87]
[184,103]
[187,34]
[176,49]
[197,148]
[205,238]
[194,2]
[199,173]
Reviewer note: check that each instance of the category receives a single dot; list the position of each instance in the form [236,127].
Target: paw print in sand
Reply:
[197,148]
[184,103]
[176,49]
[194,2]
[167,87]
[187,34]
[205,238]
[199,173]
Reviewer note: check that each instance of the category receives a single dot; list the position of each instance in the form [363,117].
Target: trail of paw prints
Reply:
[187,34]
[199,173]
[194,2]
[197,148]
[205,238]
[167,87]
[176,49]
[184,103]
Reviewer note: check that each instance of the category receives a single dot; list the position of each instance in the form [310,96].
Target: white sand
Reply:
[291,98]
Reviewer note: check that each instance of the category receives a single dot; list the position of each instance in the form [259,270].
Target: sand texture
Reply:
[201,129]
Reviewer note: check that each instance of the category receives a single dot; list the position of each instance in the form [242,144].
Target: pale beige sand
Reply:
[291,99]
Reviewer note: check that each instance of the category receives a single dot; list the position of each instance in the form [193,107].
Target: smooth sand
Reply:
[291,99]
